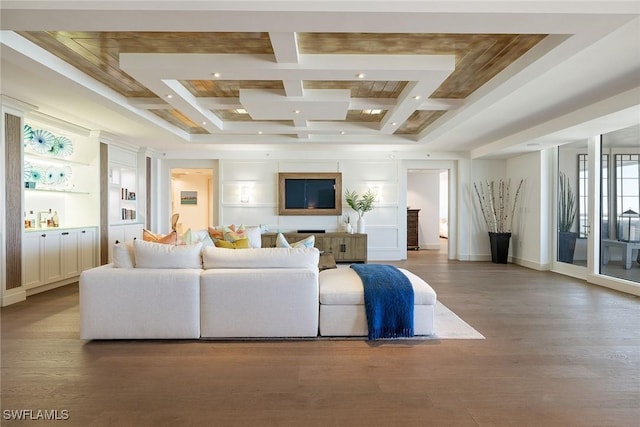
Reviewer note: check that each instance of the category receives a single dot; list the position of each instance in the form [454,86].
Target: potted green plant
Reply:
[360,204]
[498,215]
[566,218]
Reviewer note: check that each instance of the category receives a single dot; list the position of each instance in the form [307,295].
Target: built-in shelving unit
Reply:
[60,180]
[125,221]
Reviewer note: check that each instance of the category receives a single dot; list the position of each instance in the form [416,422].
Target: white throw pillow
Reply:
[307,242]
[261,258]
[158,255]
[191,237]
[122,255]
[254,234]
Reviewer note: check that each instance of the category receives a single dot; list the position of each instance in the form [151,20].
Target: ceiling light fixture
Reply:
[361,75]
[216,75]
[169,96]
[342,132]
[417,97]
[259,132]
[394,123]
[375,111]
[241,111]
[296,111]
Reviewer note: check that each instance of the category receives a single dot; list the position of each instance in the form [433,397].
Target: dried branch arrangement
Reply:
[495,208]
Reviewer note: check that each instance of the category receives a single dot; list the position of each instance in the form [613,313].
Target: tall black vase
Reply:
[499,247]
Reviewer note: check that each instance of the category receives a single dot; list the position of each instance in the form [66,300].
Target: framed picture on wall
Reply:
[188,197]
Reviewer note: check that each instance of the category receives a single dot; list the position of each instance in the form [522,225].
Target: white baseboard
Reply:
[12,296]
[50,286]
[532,265]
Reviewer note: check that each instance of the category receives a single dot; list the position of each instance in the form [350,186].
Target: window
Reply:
[627,191]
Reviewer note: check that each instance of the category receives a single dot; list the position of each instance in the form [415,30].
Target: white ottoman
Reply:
[342,311]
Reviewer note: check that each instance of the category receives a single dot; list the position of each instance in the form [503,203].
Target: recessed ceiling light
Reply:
[375,111]
[361,75]
[296,111]
[394,123]
[216,75]
[342,132]
[241,111]
[169,96]
[259,132]
[417,97]
[204,123]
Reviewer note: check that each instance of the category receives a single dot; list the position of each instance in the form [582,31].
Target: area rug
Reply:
[449,326]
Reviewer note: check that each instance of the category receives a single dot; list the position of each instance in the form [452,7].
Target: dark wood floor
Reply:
[558,352]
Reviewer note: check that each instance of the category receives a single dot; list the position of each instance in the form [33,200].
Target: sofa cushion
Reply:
[343,286]
[122,255]
[307,242]
[158,255]
[261,258]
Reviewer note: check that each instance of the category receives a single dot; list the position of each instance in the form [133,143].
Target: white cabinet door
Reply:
[133,231]
[70,253]
[123,234]
[87,248]
[32,265]
[52,254]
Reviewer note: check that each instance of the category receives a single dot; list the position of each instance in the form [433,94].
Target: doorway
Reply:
[192,198]
[428,192]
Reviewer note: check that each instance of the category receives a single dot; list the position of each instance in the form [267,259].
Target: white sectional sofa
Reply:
[159,291]
[153,291]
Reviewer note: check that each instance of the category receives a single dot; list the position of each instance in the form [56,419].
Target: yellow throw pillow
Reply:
[238,244]
[233,233]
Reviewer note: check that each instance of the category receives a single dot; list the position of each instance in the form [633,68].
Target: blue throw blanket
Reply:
[388,300]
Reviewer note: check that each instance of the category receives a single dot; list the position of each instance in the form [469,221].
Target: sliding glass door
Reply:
[620,205]
[599,178]
[572,213]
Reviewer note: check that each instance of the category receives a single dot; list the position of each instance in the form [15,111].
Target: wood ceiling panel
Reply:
[360,89]
[361,116]
[479,57]
[232,116]
[101,64]
[179,120]
[97,53]
[418,121]
[227,88]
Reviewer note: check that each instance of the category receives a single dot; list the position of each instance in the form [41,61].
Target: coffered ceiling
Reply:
[395,75]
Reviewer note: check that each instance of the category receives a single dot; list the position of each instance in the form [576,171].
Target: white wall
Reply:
[529,243]
[423,192]
[383,224]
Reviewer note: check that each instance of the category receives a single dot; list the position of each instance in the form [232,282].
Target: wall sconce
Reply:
[377,190]
[244,194]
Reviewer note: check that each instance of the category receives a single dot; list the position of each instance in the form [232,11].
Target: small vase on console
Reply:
[361,225]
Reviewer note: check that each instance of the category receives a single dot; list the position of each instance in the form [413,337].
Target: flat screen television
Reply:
[310,193]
